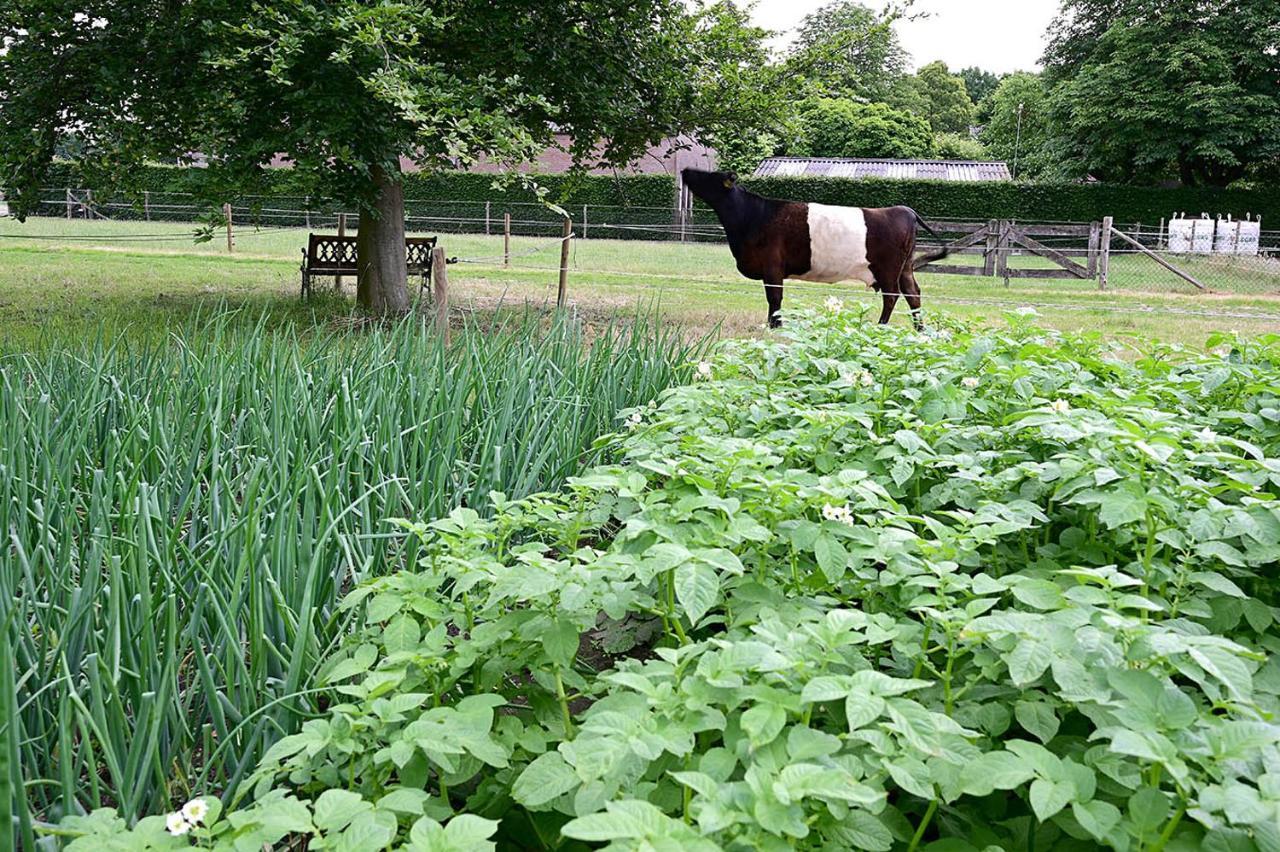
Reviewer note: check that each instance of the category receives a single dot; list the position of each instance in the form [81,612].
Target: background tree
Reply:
[959,146]
[1148,90]
[979,83]
[346,88]
[948,108]
[848,49]
[832,127]
[1034,148]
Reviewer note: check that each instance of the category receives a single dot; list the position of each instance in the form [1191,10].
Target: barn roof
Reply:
[844,167]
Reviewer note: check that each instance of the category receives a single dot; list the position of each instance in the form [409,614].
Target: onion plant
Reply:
[180,519]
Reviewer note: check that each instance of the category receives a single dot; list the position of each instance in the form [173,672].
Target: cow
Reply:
[772,240]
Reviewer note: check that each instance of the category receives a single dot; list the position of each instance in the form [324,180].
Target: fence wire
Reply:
[1130,268]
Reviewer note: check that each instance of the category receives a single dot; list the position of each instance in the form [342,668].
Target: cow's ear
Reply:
[730,179]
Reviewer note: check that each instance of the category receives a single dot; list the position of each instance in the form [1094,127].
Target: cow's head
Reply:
[710,186]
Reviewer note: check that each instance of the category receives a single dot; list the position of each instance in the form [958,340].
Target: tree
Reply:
[846,49]
[830,127]
[958,146]
[346,88]
[1178,88]
[949,109]
[1026,141]
[979,83]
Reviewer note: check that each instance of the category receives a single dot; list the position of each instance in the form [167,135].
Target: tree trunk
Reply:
[382,280]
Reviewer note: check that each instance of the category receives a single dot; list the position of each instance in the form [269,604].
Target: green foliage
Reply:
[1181,89]
[828,127]
[1029,136]
[959,146]
[181,518]
[344,88]
[847,49]
[947,104]
[979,83]
[1012,592]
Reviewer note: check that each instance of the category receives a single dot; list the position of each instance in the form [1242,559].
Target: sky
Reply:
[996,35]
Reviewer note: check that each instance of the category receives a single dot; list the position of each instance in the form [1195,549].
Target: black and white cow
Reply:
[773,240]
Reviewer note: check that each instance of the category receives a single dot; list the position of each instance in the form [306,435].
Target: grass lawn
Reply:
[67,278]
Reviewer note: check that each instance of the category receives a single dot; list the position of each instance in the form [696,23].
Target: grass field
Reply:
[73,277]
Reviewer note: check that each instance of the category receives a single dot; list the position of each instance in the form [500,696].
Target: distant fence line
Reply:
[1004,248]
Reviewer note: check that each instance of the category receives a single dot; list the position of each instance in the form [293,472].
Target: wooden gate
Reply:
[998,240]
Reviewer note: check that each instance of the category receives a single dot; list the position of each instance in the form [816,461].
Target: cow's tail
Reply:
[934,254]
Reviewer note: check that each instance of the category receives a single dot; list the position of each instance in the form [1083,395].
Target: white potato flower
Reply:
[704,369]
[833,304]
[195,811]
[1060,405]
[866,379]
[176,824]
[969,381]
[635,419]
[837,513]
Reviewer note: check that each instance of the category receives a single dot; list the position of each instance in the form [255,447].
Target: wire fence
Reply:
[1139,257]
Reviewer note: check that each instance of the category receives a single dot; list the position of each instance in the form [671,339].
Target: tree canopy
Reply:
[947,104]
[1031,149]
[347,87]
[1177,88]
[847,49]
[979,83]
[838,127]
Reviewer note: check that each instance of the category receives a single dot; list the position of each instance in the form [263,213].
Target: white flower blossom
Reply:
[704,369]
[195,811]
[1027,311]
[1060,405]
[635,419]
[1222,351]
[833,304]
[837,513]
[176,824]
[969,381]
[866,379]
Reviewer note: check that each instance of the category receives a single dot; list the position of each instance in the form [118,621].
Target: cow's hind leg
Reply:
[911,290]
[773,294]
[889,295]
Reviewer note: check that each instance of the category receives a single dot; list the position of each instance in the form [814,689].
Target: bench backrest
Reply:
[331,253]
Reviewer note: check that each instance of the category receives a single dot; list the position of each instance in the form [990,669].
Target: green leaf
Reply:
[561,641]
[625,820]
[995,770]
[824,688]
[1028,661]
[861,830]
[763,722]
[470,832]
[334,809]
[833,559]
[1148,809]
[1037,718]
[1049,797]
[697,587]
[369,831]
[862,708]
[545,779]
[1096,817]
[400,634]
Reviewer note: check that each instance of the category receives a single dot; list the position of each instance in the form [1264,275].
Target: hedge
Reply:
[933,199]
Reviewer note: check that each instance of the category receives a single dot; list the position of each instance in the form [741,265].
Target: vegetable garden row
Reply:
[860,588]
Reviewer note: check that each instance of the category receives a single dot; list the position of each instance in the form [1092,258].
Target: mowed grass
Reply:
[183,511]
[72,276]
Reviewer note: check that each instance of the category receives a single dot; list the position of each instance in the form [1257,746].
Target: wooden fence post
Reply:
[564,261]
[506,240]
[584,221]
[1002,251]
[993,241]
[1095,236]
[226,212]
[342,232]
[146,204]
[486,218]
[440,291]
[1104,259]
[68,202]
[88,204]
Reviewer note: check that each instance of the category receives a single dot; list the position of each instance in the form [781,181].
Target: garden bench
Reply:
[332,255]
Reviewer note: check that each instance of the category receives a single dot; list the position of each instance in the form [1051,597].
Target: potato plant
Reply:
[856,588]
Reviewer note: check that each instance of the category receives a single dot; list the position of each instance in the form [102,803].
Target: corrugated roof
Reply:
[954,170]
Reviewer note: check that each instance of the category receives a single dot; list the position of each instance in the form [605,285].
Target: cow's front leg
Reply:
[773,294]
[890,299]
